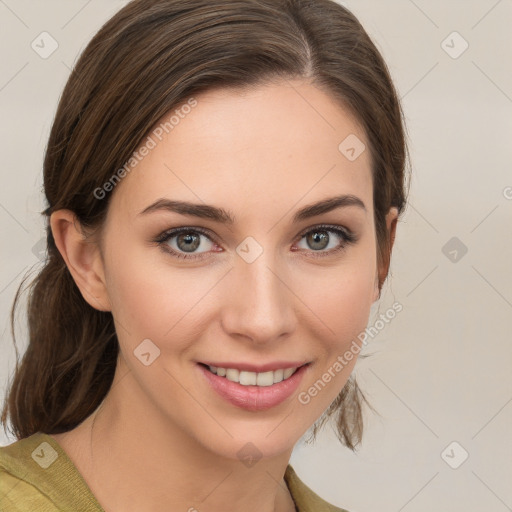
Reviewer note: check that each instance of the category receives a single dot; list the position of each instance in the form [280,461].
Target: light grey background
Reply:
[441,369]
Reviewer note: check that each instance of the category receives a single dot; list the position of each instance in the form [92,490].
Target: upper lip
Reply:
[257,368]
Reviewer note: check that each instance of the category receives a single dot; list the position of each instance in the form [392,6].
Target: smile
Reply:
[251,390]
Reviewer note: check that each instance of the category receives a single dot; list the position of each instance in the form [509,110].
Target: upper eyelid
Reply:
[325,227]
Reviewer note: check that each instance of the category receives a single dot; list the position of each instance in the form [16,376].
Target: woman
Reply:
[224,180]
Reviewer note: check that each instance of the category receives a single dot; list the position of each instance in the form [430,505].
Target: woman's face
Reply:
[271,288]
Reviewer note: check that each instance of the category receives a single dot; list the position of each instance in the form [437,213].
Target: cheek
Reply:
[345,308]
[341,296]
[151,299]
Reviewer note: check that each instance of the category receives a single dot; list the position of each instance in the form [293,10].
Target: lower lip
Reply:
[254,398]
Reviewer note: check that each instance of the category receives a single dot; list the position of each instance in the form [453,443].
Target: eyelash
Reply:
[347,237]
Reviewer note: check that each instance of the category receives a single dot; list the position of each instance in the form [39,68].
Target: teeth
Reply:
[247,378]
[232,374]
[288,372]
[278,375]
[252,378]
[264,379]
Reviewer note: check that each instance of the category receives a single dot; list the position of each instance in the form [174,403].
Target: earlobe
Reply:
[82,257]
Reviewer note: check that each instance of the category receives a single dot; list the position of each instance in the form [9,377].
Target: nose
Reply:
[258,304]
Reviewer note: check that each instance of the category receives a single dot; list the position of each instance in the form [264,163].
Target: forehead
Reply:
[248,149]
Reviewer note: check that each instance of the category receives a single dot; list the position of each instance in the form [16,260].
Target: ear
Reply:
[83,258]
[382,272]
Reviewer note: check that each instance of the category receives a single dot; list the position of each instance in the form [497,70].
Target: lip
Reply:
[254,398]
[258,368]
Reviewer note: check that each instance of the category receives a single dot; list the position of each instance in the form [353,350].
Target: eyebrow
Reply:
[221,215]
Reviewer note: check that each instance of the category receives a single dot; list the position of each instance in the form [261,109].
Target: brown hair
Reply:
[149,58]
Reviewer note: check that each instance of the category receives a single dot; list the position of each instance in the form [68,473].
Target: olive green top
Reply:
[36,475]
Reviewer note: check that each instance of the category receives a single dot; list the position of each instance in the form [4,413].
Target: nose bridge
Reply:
[260,305]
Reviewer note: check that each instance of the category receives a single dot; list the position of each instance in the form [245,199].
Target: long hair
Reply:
[146,60]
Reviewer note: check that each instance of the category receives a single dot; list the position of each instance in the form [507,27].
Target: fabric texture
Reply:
[36,475]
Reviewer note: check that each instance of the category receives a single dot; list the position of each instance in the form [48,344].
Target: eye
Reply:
[184,242]
[320,241]
[195,243]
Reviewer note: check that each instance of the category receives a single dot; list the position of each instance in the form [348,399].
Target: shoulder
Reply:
[305,499]
[17,495]
[19,487]
[36,474]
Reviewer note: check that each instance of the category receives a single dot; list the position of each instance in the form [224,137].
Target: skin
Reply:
[163,439]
